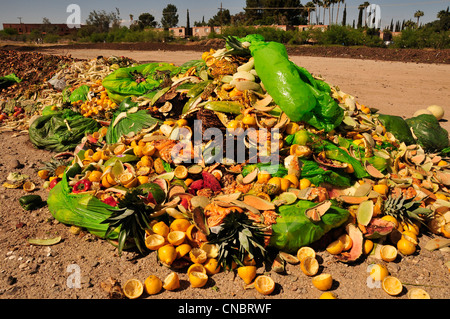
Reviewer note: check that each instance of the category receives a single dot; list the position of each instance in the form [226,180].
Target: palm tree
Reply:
[310,7]
[365,5]
[318,4]
[339,4]
[417,15]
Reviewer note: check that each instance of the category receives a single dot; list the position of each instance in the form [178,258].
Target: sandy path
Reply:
[395,88]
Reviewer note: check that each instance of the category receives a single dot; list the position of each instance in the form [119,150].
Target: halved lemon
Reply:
[391,219]
[212,266]
[182,250]
[212,250]
[154,241]
[392,285]
[264,284]
[198,279]
[346,241]
[388,253]
[309,265]
[417,293]
[197,268]
[176,237]
[305,252]
[171,282]
[167,254]
[29,186]
[152,285]
[378,272]
[336,247]
[409,235]
[148,150]
[328,295]
[180,224]
[368,246]
[198,255]
[406,247]
[133,288]
[161,228]
[247,273]
[95,176]
[323,281]
[181,172]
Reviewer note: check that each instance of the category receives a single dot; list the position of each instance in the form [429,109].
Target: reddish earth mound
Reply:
[403,55]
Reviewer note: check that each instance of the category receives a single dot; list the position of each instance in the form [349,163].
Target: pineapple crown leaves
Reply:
[132,218]
[406,209]
[236,237]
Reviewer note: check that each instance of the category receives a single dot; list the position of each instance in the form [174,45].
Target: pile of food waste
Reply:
[242,159]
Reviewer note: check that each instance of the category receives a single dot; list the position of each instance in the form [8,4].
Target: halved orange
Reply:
[212,250]
[378,272]
[181,172]
[309,265]
[323,281]
[247,273]
[133,288]
[198,279]
[264,284]
[198,255]
[180,224]
[328,295]
[212,266]
[176,237]
[171,282]
[368,246]
[152,285]
[336,247]
[418,293]
[406,247]
[346,241]
[305,251]
[197,268]
[161,228]
[154,241]
[388,253]
[182,250]
[392,285]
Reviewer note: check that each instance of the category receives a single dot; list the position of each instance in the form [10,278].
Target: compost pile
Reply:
[143,161]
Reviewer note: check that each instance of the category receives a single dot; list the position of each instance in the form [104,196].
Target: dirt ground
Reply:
[48,272]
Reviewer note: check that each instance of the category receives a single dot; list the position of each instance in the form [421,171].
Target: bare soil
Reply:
[46,272]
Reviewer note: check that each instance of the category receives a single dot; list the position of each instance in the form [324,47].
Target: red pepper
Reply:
[81,186]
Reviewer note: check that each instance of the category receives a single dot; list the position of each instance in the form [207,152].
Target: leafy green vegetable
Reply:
[79,93]
[430,135]
[61,131]
[128,119]
[398,127]
[294,230]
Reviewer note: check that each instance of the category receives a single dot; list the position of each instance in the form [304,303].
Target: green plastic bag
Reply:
[61,131]
[128,119]
[294,230]
[293,88]
[82,210]
[428,132]
[139,80]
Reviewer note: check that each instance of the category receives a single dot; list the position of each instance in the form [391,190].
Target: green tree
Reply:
[344,16]
[222,17]
[169,16]
[365,5]
[147,20]
[102,21]
[417,15]
[360,15]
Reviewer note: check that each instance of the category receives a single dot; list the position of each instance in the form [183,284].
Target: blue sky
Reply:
[55,10]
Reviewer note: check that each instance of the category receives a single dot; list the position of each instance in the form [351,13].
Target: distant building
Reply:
[27,28]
